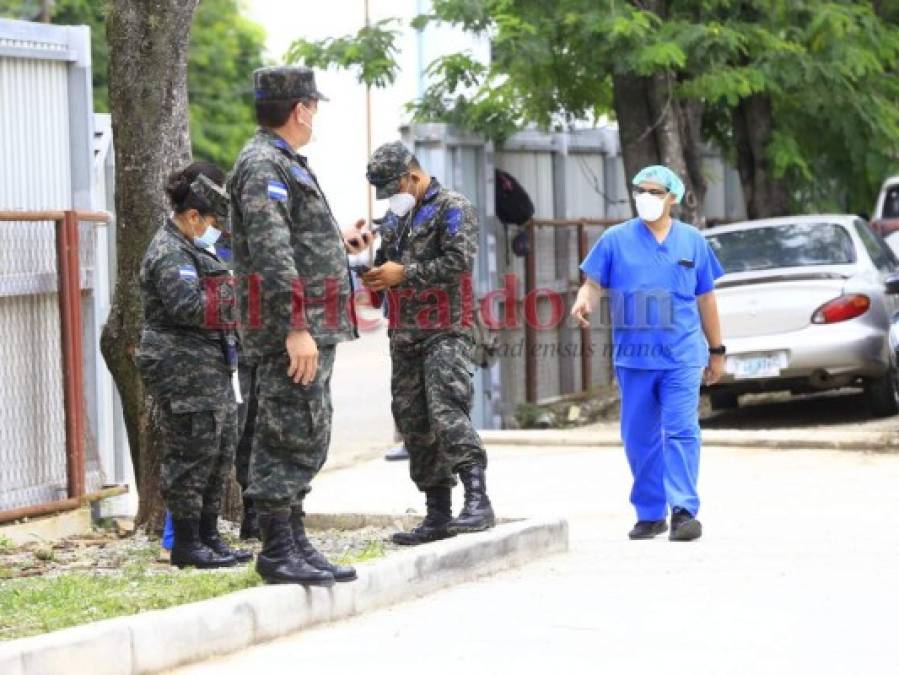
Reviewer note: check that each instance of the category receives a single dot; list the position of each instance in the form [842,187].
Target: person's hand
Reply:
[356,238]
[303,354]
[386,276]
[713,372]
[581,311]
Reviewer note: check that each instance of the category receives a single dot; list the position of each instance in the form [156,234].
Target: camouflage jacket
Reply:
[284,238]
[188,301]
[437,243]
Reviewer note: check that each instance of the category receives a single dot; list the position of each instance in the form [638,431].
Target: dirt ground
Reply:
[106,552]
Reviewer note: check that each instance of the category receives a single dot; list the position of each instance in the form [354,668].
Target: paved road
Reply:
[363,425]
[797,574]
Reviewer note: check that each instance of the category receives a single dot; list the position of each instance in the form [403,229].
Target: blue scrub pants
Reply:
[660,431]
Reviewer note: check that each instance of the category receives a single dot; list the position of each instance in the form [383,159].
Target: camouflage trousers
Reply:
[293,431]
[246,422]
[197,457]
[432,395]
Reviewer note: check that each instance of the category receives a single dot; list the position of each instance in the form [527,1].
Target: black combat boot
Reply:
[209,535]
[309,552]
[249,527]
[477,513]
[189,551]
[647,529]
[434,526]
[684,527]
[279,562]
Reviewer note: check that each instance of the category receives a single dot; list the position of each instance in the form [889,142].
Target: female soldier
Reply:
[187,357]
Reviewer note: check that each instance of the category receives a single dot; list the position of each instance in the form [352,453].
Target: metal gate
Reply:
[46,164]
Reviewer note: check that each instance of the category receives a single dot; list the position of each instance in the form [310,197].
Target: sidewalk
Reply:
[796,574]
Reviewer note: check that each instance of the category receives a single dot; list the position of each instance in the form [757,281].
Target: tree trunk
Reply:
[148,50]
[655,127]
[764,194]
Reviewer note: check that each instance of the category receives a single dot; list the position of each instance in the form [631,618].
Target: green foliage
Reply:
[371,51]
[828,68]
[225,49]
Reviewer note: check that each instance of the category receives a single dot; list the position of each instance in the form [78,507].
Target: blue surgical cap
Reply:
[663,176]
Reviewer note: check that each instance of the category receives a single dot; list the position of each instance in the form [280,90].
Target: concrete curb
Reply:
[163,639]
[874,441]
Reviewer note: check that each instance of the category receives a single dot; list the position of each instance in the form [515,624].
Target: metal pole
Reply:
[530,332]
[586,338]
[69,504]
[65,330]
[70,332]
[368,137]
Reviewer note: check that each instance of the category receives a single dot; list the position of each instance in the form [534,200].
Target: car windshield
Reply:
[789,245]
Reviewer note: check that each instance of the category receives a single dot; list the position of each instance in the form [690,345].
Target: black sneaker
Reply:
[684,527]
[647,529]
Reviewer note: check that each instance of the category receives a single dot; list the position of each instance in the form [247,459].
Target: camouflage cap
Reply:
[213,195]
[387,165]
[284,83]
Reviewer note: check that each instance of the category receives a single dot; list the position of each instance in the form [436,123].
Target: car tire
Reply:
[883,394]
[724,401]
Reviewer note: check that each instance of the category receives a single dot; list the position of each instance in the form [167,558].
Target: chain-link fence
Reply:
[39,358]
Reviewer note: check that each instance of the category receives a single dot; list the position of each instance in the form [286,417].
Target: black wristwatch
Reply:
[722,350]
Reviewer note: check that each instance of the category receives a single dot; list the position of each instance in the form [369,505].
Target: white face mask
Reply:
[312,135]
[649,208]
[401,203]
[208,238]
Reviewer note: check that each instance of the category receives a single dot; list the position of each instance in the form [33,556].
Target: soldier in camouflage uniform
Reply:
[246,417]
[288,246]
[186,358]
[428,246]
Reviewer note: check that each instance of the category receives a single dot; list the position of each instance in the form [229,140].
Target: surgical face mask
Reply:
[312,135]
[401,203]
[208,238]
[649,208]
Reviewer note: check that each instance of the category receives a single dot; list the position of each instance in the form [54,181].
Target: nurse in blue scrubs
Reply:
[659,277]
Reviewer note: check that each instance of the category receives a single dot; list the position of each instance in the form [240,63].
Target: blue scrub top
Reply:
[652,289]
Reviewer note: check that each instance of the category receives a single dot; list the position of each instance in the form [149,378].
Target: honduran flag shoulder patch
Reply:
[187,272]
[277,191]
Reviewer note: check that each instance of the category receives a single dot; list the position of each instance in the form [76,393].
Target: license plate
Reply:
[756,365]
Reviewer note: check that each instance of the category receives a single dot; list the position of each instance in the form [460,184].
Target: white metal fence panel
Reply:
[39,99]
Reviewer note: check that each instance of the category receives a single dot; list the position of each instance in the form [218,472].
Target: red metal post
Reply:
[72,350]
[530,332]
[586,338]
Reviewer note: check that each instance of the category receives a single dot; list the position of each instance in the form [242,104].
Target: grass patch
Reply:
[35,605]
[39,605]
[373,550]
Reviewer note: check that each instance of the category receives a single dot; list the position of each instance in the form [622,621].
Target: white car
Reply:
[807,303]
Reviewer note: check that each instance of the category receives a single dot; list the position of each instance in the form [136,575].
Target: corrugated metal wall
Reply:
[462,163]
[35,174]
[565,181]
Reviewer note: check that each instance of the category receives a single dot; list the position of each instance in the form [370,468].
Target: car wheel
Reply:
[724,401]
[883,394]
